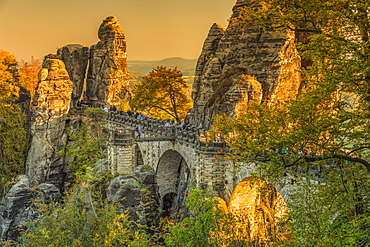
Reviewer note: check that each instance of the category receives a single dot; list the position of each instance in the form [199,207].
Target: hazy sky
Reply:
[154,29]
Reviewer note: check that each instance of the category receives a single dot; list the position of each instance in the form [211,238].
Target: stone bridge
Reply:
[182,158]
[179,158]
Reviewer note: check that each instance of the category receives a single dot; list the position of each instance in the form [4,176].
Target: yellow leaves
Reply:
[8,76]
[29,75]
[8,90]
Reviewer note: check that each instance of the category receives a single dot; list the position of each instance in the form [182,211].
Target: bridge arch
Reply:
[259,211]
[173,178]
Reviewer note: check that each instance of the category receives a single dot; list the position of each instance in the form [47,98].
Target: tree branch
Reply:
[337,156]
[169,113]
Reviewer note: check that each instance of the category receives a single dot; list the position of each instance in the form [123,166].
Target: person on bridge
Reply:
[182,126]
[138,130]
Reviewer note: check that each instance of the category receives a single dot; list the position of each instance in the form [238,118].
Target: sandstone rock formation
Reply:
[260,210]
[107,80]
[50,108]
[239,61]
[62,81]
[17,208]
[135,196]
[76,58]
[61,86]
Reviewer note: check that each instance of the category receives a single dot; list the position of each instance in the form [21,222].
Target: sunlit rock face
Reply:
[53,92]
[289,80]
[231,54]
[107,80]
[76,58]
[51,105]
[260,210]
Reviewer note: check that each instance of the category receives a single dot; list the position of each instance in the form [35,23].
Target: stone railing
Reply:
[156,128]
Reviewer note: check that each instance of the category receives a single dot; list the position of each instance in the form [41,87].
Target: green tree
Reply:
[12,134]
[332,213]
[329,119]
[88,144]
[162,93]
[208,225]
[81,220]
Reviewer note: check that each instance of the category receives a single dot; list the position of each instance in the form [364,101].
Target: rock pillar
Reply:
[242,64]
[45,163]
[107,80]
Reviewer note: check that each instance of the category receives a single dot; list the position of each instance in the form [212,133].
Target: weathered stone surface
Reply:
[289,80]
[107,80]
[76,58]
[261,211]
[51,105]
[128,191]
[230,55]
[17,208]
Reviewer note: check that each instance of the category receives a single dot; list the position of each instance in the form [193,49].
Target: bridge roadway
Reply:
[155,130]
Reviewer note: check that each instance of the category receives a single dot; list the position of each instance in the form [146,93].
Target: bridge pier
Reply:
[122,152]
[210,173]
[123,161]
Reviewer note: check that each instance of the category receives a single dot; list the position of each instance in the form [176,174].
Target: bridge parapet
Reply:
[156,128]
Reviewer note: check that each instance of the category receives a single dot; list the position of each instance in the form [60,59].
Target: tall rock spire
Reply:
[240,65]
[52,101]
[107,79]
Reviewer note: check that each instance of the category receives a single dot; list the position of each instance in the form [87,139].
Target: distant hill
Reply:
[187,66]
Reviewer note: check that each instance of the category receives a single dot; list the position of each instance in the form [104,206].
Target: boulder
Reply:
[139,199]
[18,206]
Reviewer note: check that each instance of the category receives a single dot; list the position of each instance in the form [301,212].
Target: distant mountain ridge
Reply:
[187,66]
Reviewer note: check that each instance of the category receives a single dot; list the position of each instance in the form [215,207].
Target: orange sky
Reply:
[154,29]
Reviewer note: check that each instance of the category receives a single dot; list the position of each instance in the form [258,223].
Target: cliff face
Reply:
[242,64]
[17,207]
[61,84]
[49,112]
[107,79]
[62,80]
[76,58]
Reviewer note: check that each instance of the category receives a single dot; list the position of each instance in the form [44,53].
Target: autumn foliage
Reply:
[12,133]
[162,94]
[28,75]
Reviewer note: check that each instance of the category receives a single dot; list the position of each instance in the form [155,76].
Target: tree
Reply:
[328,214]
[88,145]
[208,226]
[162,93]
[329,119]
[28,75]
[13,140]
[81,220]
